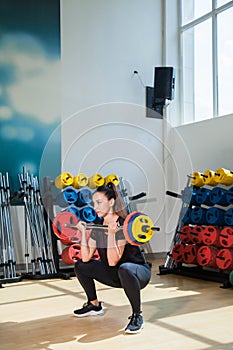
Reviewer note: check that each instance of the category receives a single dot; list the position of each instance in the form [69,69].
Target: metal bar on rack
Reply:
[9,230]
[169,262]
[44,228]
[124,195]
[4,264]
[6,232]
[23,179]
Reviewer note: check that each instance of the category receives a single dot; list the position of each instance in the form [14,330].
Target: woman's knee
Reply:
[78,267]
[126,271]
[137,272]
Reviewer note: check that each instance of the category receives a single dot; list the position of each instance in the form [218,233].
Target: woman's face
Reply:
[102,205]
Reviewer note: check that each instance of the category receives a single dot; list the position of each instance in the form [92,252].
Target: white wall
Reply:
[104,125]
[196,147]
[103,42]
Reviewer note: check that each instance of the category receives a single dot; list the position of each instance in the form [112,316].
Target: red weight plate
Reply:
[206,256]
[185,234]
[196,234]
[210,236]
[71,254]
[178,252]
[61,230]
[65,240]
[226,237]
[224,259]
[190,254]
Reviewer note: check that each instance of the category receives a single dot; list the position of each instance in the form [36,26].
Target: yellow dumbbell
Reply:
[64,180]
[197,179]
[96,180]
[224,176]
[80,180]
[210,178]
[112,178]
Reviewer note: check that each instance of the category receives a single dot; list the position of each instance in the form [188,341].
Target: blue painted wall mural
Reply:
[29,86]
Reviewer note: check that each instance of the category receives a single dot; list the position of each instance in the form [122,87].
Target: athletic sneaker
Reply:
[135,325]
[89,309]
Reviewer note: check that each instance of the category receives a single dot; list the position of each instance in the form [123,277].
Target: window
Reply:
[206,58]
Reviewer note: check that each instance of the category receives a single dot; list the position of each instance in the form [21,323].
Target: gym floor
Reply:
[179,313]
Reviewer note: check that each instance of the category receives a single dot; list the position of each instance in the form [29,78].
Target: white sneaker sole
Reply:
[128,331]
[91,313]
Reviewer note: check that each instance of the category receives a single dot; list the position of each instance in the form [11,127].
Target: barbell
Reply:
[138,228]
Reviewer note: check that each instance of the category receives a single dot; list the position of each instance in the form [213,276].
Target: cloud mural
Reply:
[29,85]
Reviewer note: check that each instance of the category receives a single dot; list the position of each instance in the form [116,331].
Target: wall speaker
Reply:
[164,82]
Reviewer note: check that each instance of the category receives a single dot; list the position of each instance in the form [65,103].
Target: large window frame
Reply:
[212,15]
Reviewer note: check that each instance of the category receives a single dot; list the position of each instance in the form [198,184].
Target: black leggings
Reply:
[129,276]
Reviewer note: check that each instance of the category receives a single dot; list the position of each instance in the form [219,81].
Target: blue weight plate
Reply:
[198,215]
[229,196]
[84,197]
[70,194]
[185,215]
[228,217]
[125,227]
[215,216]
[88,214]
[74,210]
[203,196]
[218,196]
[130,228]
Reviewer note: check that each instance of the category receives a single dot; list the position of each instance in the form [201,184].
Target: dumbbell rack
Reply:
[49,201]
[193,270]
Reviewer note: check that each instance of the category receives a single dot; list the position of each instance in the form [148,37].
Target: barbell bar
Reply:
[138,228]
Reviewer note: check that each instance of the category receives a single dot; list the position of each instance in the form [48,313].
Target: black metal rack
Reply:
[170,266]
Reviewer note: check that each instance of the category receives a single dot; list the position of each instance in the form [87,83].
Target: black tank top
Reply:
[131,252]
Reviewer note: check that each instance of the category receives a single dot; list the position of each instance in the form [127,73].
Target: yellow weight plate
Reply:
[141,228]
[96,180]
[64,180]
[197,179]
[80,180]
[112,178]
[210,178]
[224,176]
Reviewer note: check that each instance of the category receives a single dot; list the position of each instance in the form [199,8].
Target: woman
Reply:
[121,264]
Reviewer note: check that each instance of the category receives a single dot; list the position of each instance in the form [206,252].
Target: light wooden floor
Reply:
[179,312]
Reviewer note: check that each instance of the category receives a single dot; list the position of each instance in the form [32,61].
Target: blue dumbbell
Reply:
[218,196]
[203,196]
[229,196]
[215,216]
[185,215]
[88,214]
[73,209]
[84,197]
[198,216]
[70,194]
[228,217]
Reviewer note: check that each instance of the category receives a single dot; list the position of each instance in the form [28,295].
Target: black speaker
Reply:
[164,82]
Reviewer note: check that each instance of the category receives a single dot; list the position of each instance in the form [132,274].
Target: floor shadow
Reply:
[41,334]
